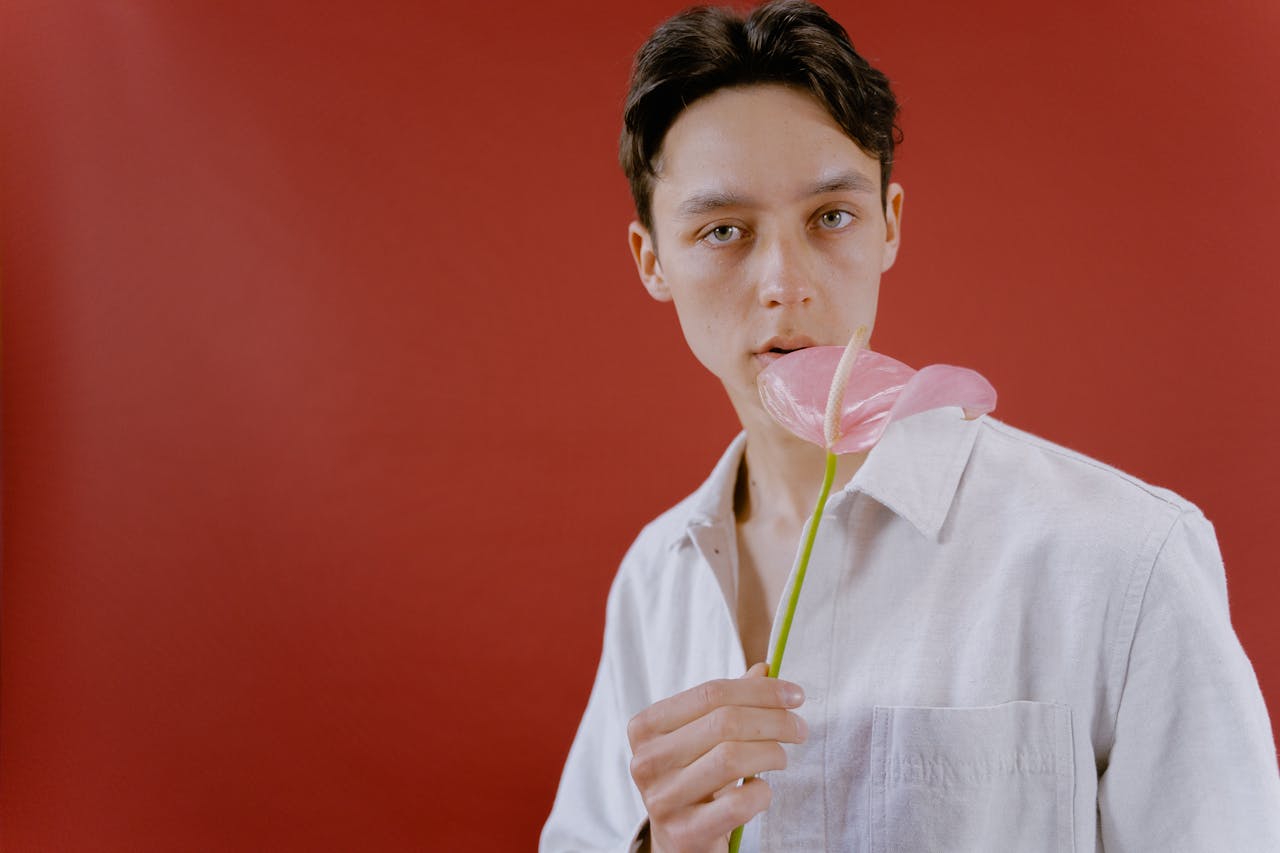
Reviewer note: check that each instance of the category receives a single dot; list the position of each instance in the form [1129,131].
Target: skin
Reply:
[769,228]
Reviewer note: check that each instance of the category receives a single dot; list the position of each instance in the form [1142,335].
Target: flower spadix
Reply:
[843,398]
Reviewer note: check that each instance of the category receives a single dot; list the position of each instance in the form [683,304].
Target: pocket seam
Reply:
[1058,742]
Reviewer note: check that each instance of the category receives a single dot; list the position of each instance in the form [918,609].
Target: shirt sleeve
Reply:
[597,806]
[1193,763]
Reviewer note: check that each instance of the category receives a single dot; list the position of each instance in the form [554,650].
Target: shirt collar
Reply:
[914,471]
[712,503]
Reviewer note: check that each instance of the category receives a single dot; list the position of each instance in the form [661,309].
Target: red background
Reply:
[331,398]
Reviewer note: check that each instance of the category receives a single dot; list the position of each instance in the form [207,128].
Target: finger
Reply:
[724,764]
[757,670]
[675,751]
[727,789]
[715,820]
[683,708]
[727,723]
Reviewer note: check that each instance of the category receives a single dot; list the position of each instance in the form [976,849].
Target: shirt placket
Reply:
[718,551]
[796,820]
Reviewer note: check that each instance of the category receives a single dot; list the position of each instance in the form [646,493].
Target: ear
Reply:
[645,252]
[893,225]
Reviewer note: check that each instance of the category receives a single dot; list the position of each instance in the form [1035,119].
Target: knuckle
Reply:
[711,693]
[641,768]
[726,757]
[724,724]
[635,729]
[660,805]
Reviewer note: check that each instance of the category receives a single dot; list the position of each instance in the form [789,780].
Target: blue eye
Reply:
[834,219]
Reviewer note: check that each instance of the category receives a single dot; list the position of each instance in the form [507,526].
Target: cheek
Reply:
[706,268]
[711,316]
[704,316]
[861,255]
[711,289]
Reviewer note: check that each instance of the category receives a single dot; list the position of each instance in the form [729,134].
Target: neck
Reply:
[780,474]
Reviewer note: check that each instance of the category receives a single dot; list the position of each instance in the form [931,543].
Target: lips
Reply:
[780,345]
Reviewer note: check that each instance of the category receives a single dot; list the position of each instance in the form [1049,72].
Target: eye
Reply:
[835,219]
[723,234]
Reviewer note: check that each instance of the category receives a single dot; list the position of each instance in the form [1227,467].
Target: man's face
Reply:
[770,232]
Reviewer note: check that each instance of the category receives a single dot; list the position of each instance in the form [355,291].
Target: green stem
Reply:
[775,665]
[828,478]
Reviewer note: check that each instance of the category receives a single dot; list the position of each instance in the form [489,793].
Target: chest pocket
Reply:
[972,780]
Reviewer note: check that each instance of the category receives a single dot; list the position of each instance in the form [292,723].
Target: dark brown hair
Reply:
[787,41]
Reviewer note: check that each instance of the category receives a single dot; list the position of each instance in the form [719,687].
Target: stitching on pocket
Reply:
[936,758]
[881,718]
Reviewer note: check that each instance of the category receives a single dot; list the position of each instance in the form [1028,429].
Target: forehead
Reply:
[761,141]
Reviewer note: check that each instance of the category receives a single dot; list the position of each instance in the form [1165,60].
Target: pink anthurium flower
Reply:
[796,388]
[843,399]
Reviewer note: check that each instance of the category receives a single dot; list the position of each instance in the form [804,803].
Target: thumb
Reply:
[758,670]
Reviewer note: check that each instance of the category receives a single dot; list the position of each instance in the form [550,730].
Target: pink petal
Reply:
[881,390]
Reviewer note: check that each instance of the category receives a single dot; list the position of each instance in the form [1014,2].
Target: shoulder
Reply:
[659,542]
[1039,471]
[661,538]
[1051,504]
[663,591]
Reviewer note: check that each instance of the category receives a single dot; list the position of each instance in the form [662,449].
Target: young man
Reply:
[1002,645]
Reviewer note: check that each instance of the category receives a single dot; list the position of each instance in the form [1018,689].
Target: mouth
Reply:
[777,347]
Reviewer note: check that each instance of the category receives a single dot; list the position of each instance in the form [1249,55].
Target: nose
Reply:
[784,276]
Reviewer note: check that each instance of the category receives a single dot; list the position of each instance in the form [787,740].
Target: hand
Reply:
[690,750]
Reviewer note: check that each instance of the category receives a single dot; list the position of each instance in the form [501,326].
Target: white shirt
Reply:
[1004,645]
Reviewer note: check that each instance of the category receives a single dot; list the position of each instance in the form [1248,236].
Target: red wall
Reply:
[331,398]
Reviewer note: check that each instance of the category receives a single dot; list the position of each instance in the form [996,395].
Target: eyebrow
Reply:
[845,182]
[701,203]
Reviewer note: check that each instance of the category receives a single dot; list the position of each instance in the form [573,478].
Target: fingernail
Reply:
[792,695]
[803,728]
